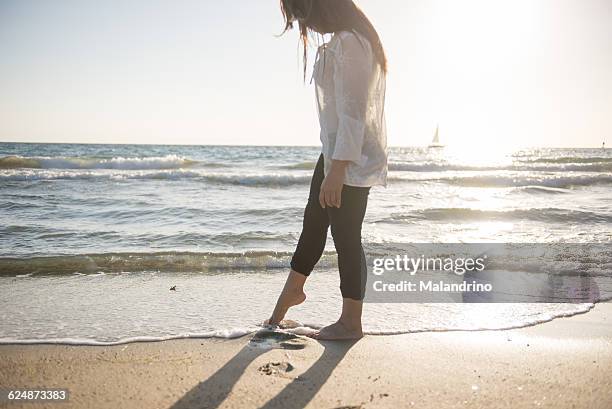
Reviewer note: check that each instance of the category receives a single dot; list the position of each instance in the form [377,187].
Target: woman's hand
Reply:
[330,194]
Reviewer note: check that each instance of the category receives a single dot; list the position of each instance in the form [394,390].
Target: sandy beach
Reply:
[565,363]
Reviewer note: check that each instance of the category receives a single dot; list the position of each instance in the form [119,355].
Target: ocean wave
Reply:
[300,166]
[135,163]
[186,213]
[21,175]
[444,167]
[537,182]
[139,262]
[32,239]
[17,206]
[258,180]
[541,190]
[502,181]
[534,214]
[274,180]
[571,159]
[437,167]
[552,258]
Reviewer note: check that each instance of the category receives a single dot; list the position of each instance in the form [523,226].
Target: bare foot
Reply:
[338,331]
[287,299]
[284,324]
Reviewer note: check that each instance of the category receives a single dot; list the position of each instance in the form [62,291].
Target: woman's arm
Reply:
[353,65]
[352,76]
[330,194]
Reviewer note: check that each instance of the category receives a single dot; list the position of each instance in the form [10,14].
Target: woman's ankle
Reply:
[295,282]
[296,278]
[351,314]
[351,324]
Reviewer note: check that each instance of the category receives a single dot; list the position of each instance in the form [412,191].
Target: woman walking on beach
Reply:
[349,74]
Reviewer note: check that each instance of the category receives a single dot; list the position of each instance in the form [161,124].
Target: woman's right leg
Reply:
[309,249]
[346,223]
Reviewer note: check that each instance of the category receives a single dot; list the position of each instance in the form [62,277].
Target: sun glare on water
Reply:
[480,160]
[479,155]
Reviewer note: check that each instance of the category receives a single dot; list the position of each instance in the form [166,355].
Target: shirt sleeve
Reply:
[352,74]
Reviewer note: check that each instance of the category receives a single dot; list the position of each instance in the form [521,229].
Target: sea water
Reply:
[92,237]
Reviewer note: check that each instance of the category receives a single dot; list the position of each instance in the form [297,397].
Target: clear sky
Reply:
[513,72]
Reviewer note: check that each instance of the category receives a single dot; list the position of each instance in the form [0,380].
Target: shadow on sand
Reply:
[213,391]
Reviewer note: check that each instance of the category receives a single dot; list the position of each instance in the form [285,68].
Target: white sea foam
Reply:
[23,175]
[555,258]
[276,179]
[526,167]
[512,180]
[134,308]
[127,163]
[543,214]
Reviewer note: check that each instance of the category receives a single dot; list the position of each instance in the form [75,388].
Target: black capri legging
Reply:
[345,224]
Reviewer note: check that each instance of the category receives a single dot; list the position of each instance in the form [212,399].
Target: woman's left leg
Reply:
[308,250]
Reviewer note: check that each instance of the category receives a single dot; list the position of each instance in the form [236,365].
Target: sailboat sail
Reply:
[435,143]
[436,138]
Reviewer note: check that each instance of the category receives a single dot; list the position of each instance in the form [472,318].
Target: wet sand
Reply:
[565,363]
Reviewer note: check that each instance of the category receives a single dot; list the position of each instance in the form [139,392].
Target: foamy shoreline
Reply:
[566,363]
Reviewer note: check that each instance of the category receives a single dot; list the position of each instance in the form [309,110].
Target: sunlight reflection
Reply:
[489,231]
[478,155]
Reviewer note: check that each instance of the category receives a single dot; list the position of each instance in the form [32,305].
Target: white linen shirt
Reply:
[350,93]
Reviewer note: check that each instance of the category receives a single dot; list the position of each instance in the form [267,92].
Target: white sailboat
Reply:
[435,143]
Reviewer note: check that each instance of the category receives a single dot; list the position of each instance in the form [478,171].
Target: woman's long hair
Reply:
[330,16]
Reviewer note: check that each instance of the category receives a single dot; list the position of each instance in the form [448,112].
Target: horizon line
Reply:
[268,146]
